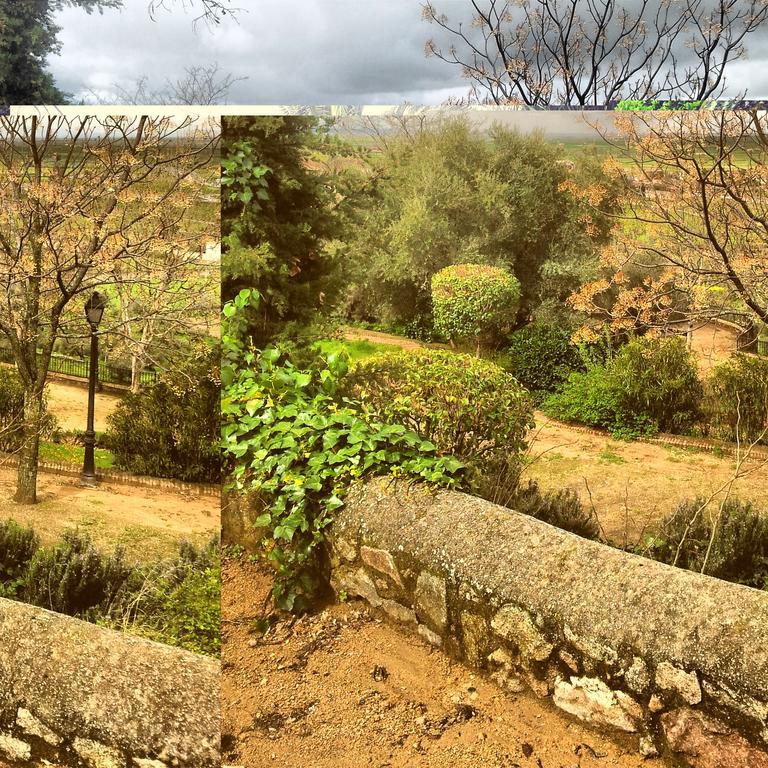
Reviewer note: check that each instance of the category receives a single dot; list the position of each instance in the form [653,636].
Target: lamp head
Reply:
[94,309]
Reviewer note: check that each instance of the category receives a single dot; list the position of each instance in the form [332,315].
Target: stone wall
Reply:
[676,660]
[75,694]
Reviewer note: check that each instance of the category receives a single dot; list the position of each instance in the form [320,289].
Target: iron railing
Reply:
[79,368]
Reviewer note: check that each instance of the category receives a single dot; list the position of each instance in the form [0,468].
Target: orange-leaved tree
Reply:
[691,243]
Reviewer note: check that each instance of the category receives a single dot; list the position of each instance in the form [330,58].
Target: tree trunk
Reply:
[136,371]
[26,476]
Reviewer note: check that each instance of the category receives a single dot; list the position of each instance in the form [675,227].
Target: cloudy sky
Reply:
[288,52]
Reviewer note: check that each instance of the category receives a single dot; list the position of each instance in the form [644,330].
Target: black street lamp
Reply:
[94,311]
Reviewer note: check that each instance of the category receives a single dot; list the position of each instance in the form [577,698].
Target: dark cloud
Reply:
[290,51]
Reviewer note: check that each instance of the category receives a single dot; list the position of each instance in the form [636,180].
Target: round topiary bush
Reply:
[474,302]
[467,407]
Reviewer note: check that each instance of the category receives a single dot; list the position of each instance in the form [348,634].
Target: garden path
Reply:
[148,522]
[69,403]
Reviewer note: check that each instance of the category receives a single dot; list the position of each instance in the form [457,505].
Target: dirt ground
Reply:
[69,403]
[712,343]
[343,689]
[148,522]
[634,485]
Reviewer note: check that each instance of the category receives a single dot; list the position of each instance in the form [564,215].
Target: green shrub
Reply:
[659,378]
[171,429]
[739,541]
[541,357]
[737,399]
[17,547]
[178,603]
[11,410]
[73,577]
[290,438]
[650,385]
[561,508]
[466,407]
[474,302]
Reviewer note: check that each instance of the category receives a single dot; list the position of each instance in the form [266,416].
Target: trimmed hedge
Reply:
[467,407]
[737,399]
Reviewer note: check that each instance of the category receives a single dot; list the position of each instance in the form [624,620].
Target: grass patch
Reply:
[357,350]
[73,454]
[607,456]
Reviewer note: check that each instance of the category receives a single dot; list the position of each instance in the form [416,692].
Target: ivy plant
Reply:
[292,439]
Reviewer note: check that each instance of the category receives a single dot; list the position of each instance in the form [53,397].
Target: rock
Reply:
[140,762]
[34,727]
[590,647]
[430,601]
[685,684]
[591,700]
[656,703]
[709,743]
[752,708]
[431,637]
[398,612]
[357,583]
[380,560]
[96,755]
[516,626]
[474,633]
[538,686]
[637,676]
[346,550]
[14,749]
[569,660]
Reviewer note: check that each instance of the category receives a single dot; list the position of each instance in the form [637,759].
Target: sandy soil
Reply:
[149,522]
[634,485]
[69,402]
[307,694]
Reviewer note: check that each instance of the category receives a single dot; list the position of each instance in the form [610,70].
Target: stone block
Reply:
[592,701]
[431,606]
[431,637]
[380,560]
[14,749]
[684,684]
[474,633]
[516,626]
[708,743]
[96,755]
[638,676]
[398,612]
[34,727]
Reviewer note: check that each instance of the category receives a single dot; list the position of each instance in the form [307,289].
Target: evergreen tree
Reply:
[28,36]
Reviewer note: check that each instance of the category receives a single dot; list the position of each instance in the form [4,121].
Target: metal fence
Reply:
[80,368]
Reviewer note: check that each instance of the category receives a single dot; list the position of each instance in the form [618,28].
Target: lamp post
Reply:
[94,311]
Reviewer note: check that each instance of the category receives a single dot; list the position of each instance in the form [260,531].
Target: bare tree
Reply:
[77,196]
[592,52]
[202,84]
[210,11]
